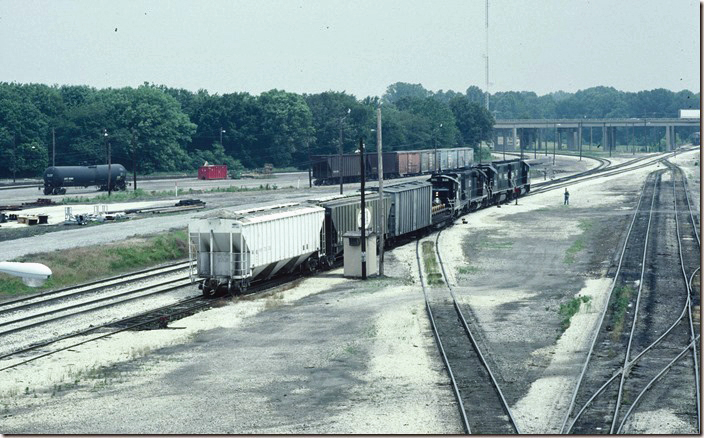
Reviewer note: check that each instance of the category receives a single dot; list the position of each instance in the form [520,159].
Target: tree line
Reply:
[155,128]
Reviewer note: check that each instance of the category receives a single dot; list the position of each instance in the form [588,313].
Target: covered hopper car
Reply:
[57,178]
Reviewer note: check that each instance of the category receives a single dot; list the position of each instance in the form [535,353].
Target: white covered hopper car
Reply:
[228,250]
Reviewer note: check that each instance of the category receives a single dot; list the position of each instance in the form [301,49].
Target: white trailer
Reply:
[232,249]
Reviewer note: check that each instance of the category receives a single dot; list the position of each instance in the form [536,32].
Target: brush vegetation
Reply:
[80,265]
[619,305]
[569,309]
[432,269]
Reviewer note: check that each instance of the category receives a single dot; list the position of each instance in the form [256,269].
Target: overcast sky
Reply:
[357,46]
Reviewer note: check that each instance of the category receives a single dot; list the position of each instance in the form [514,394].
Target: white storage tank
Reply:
[232,249]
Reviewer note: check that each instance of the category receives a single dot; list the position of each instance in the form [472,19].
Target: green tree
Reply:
[473,121]
[285,126]
[400,90]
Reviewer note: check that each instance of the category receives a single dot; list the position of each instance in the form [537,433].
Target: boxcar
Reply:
[390,162]
[232,249]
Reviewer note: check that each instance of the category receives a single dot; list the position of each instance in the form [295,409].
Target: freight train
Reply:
[396,164]
[57,178]
[230,250]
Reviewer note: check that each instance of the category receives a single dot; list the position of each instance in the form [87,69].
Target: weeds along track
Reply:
[646,328]
[483,408]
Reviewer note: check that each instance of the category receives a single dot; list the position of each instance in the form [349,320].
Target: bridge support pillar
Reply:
[514,138]
[668,145]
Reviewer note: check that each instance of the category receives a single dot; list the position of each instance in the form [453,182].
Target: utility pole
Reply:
[107,147]
[339,172]
[363,211]
[310,164]
[134,160]
[381,210]
[53,147]
[14,158]
[221,132]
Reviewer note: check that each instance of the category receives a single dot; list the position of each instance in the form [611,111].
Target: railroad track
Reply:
[632,351]
[87,288]
[156,317]
[598,172]
[483,407]
[151,319]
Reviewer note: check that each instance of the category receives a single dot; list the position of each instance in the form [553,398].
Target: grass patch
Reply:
[621,298]
[467,270]
[80,265]
[139,194]
[432,269]
[578,245]
[495,244]
[569,309]
[571,253]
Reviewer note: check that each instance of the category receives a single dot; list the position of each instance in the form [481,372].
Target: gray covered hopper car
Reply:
[411,208]
[232,249]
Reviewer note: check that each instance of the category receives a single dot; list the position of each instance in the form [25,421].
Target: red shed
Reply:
[212,171]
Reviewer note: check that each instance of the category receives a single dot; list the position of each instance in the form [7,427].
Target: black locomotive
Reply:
[57,178]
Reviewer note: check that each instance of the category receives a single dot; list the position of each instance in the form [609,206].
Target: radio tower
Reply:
[486,27]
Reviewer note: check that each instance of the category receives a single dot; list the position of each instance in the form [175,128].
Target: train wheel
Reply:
[47,190]
[62,191]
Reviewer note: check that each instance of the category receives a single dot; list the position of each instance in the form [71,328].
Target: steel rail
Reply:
[92,309]
[121,280]
[101,336]
[654,379]
[635,313]
[631,363]
[691,277]
[687,283]
[465,421]
[689,206]
[471,336]
[603,313]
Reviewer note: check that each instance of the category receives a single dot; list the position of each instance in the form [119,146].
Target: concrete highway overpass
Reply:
[573,130]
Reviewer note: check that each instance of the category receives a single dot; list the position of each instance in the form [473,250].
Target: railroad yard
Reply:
[512,320]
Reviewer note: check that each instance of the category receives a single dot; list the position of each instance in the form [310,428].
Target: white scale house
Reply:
[232,249]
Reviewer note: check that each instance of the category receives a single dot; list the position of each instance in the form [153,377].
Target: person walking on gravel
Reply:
[567,197]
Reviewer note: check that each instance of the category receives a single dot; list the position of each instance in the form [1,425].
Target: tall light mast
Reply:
[486,28]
